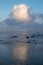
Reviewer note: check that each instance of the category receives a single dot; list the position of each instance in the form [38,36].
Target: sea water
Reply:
[21,48]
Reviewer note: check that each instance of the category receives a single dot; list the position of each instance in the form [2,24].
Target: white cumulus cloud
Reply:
[21,13]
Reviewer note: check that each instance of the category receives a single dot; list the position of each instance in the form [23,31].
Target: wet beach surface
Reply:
[24,48]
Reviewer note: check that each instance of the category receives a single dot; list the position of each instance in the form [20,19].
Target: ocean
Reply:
[21,47]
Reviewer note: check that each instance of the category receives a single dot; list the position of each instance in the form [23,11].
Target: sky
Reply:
[6,6]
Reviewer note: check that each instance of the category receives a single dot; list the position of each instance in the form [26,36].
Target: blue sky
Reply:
[6,6]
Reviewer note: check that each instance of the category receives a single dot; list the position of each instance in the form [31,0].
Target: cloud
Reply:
[38,18]
[3,26]
[3,23]
[21,13]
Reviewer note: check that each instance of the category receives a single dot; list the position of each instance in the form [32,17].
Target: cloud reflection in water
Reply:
[20,51]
